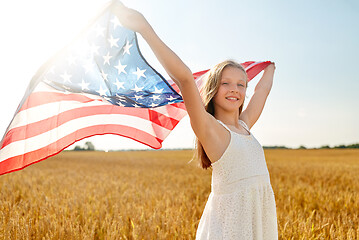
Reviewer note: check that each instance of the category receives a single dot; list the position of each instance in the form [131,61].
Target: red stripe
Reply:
[40,98]
[246,64]
[36,128]
[255,69]
[195,76]
[21,161]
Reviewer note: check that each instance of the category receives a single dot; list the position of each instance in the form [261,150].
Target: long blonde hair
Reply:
[212,80]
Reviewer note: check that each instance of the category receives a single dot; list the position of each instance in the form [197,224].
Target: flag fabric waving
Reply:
[99,84]
[252,69]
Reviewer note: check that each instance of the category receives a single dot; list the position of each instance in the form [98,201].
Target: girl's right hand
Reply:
[130,18]
[271,66]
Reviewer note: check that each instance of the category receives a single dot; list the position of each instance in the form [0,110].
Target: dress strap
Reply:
[224,125]
[244,125]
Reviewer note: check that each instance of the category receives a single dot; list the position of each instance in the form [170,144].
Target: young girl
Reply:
[241,204]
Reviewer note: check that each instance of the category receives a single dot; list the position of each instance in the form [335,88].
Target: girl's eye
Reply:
[240,85]
[224,83]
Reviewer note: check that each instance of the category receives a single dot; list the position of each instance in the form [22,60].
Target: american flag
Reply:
[99,84]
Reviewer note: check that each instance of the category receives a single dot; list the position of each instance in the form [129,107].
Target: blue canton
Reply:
[106,61]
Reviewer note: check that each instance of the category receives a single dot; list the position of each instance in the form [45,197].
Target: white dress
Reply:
[241,204]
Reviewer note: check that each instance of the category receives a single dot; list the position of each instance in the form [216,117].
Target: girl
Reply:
[241,204]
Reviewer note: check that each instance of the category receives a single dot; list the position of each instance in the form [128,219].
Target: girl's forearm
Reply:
[266,81]
[173,65]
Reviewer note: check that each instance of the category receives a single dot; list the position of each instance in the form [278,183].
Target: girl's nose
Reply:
[234,89]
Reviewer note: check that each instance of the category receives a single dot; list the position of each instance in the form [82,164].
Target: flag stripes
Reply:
[50,120]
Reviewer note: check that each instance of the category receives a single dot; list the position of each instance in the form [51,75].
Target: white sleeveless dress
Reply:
[241,204]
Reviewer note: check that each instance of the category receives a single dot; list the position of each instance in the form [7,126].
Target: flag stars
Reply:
[126,48]
[102,91]
[121,98]
[155,97]
[115,22]
[113,41]
[88,66]
[84,85]
[94,49]
[66,77]
[158,91]
[119,84]
[120,104]
[104,75]
[107,58]
[138,97]
[106,70]
[121,68]
[171,98]
[140,73]
[153,105]
[137,89]
[107,98]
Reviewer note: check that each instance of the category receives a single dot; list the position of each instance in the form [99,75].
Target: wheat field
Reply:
[159,195]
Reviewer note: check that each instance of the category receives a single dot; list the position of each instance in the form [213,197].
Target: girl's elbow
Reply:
[185,77]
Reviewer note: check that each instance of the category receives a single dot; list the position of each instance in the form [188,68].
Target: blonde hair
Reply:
[212,80]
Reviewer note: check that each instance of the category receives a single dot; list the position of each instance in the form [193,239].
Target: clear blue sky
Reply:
[315,45]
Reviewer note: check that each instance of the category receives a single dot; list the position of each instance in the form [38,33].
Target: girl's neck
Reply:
[228,118]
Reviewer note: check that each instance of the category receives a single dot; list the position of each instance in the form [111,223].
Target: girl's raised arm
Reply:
[177,70]
[135,21]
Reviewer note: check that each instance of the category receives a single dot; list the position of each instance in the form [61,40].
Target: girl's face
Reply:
[232,89]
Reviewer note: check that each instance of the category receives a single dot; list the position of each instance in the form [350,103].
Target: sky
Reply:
[314,44]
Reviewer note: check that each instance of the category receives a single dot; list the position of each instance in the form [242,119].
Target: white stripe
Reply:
[169,108]
[44,139]
[42,87]
[48,110]
[253,64]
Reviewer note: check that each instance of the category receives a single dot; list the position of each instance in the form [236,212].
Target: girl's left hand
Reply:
[271,66]
[130,18]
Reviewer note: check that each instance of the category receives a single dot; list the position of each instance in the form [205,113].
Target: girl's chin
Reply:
[229,107]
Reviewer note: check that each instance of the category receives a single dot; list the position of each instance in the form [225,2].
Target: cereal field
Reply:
[159,195]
